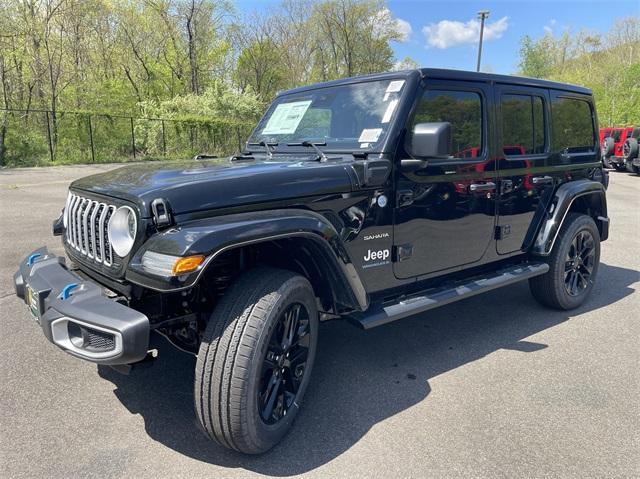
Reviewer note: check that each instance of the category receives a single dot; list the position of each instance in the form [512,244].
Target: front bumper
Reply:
[75,314]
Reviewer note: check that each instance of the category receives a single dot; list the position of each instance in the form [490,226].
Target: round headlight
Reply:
[122,230]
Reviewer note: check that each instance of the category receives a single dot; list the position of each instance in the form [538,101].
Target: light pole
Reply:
[482,15]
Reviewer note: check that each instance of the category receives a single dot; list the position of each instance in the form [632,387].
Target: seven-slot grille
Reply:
[87,223]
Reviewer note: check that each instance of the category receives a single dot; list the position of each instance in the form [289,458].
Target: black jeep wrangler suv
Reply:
[368,199]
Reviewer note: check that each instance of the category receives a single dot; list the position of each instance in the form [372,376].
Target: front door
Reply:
[444,216]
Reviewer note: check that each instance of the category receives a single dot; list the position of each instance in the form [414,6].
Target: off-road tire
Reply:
[229,363]
[607,147]
[630,149]
[549,288]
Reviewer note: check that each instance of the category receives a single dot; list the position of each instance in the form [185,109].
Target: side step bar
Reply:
[432,298]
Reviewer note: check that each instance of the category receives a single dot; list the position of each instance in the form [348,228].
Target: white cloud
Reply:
[404,29]
[549,27]
[448,33]
[385,24]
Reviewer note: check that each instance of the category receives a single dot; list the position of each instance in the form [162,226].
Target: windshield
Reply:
[344,117]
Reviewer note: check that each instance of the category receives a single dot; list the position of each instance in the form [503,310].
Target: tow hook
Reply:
[146,363]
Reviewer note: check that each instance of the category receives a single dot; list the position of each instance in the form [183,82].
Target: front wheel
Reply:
[255,360]
[573,265]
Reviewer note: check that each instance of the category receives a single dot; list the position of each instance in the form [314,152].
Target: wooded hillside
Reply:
[608,64]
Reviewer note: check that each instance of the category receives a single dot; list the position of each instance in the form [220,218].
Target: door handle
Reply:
[482,186]
[542,180]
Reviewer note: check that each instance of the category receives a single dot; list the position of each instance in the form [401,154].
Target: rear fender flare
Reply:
[564,198]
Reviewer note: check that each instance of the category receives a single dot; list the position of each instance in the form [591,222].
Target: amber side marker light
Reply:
[187,264]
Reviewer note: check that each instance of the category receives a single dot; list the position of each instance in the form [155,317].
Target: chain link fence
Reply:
[40,137]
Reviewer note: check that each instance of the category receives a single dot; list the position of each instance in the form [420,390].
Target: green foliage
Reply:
[216,122]
[460,109]
[208,73]
[608,64]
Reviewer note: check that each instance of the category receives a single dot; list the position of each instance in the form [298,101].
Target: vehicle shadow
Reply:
[360,378]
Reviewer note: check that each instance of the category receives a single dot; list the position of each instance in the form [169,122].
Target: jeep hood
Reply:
[191,186]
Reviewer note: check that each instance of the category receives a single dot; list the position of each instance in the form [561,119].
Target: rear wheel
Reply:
[573,265]
[255,360]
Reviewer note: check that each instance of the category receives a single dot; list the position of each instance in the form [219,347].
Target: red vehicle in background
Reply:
[631,152]
[612,147]
[605,133]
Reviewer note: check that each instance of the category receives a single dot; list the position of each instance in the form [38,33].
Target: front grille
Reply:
[87,222]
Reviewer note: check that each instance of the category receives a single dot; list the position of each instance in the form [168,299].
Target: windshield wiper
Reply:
[314,145]
[267,146]
[242,157]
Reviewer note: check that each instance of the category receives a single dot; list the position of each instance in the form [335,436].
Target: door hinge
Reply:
[404,197]
[502,231]
[403,252]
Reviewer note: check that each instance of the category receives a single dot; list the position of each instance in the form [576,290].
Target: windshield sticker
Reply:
[389,111]
[370,135]
[395,86]
[286,117]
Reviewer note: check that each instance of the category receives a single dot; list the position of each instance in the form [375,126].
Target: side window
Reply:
[463,110]
[572,126]
[523,131]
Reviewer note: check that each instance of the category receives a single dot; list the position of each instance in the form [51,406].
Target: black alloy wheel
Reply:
[284,364]
[579,264]
[256,358]
[573,264]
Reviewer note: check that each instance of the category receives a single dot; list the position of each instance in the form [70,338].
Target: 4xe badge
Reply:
[376,258]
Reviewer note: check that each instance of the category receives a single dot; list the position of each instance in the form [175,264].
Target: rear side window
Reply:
[572,126]
[463,110]
[523,131]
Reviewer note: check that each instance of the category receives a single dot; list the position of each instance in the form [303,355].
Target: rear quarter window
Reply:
[573,130]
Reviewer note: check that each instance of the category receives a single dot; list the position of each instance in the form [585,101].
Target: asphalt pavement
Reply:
[492,386]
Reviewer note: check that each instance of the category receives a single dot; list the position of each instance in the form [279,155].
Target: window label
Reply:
[286,117]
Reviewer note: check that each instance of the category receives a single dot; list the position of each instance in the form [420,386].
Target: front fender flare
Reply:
[564,197]
[213,236]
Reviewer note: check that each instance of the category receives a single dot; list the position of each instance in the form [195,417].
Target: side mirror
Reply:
[431,140]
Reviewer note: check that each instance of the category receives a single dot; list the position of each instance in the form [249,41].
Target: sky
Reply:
[442,34]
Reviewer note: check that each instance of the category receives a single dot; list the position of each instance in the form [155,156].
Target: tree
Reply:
[608,64]
[258,66]
[407,64]
[352,38]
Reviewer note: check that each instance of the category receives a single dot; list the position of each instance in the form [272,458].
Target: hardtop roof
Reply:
[447,74]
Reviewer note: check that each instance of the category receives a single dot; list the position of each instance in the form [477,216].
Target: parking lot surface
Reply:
[493,386]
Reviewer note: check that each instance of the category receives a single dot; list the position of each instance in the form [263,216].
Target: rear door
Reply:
[524,166]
